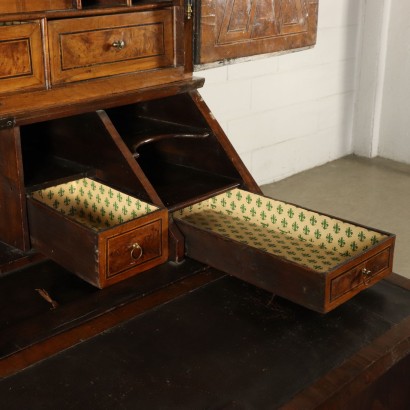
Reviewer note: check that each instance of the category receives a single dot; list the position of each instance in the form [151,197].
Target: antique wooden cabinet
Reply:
[113,168]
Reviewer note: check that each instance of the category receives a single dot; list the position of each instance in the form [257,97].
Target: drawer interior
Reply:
[92,203]
[316,241]
[313,259]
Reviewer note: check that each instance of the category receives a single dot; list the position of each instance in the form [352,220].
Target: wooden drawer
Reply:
[91,47]
[97,232]
[18,6]
[312,259]
[21,62]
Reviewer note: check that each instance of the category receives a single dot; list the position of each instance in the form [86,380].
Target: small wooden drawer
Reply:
[310,258]
[97,232]
[18,6]
[21,56]
[92,47]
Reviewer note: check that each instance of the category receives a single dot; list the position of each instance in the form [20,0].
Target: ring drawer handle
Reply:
[136,251]
[367,275]
[119,44]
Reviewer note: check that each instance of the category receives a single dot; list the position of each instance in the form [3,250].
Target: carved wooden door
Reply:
[228,29]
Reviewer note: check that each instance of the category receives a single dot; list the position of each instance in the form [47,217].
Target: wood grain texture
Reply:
[230,29]
[17,6]
[21,62]
[101,46]
[13,221]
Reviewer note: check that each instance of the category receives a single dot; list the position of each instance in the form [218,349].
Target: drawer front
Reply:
[134,248]
[17,6]
[21,62]
[92,47]
[361,276]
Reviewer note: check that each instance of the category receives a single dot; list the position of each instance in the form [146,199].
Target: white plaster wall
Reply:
[371,64]
[394,140]
[291,112]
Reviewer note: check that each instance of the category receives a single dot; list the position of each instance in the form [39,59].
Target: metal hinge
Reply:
[5,123]
[189,9]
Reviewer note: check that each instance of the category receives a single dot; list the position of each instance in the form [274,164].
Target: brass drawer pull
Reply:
[119,44]
[136,251]
[367,275]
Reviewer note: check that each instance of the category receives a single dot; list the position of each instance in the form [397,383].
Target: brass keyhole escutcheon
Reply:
[136,251]
[118,44]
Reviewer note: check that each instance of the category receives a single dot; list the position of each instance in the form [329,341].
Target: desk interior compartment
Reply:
[86,4]
[313,259]
[97,232]
[176,148]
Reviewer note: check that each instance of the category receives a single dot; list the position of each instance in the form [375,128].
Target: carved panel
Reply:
[228,29]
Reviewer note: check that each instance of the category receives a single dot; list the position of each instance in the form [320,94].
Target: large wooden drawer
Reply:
[21,56]
[312,259]
[97,232]
[91,47]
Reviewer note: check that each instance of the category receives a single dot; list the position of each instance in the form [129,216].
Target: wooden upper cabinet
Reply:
[229,29]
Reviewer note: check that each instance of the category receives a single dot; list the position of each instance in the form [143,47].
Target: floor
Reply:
[373,192]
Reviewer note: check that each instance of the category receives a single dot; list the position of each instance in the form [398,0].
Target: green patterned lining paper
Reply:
[307,238]
[93,204]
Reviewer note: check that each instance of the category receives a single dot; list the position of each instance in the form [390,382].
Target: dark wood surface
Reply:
[32,329]
[13,223]
[230,345]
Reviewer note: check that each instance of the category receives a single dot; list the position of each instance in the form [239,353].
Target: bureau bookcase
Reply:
[113,168]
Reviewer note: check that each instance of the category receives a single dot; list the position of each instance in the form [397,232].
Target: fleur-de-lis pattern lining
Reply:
[93,204]
[296,234]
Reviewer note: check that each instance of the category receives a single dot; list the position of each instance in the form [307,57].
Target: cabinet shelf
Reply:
[52,169]
[84,4]
[176,148]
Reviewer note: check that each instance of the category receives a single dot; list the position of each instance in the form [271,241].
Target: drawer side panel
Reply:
[68,244]
[266,271]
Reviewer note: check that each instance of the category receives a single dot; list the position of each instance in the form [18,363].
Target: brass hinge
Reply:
[189,9]
[8,122]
